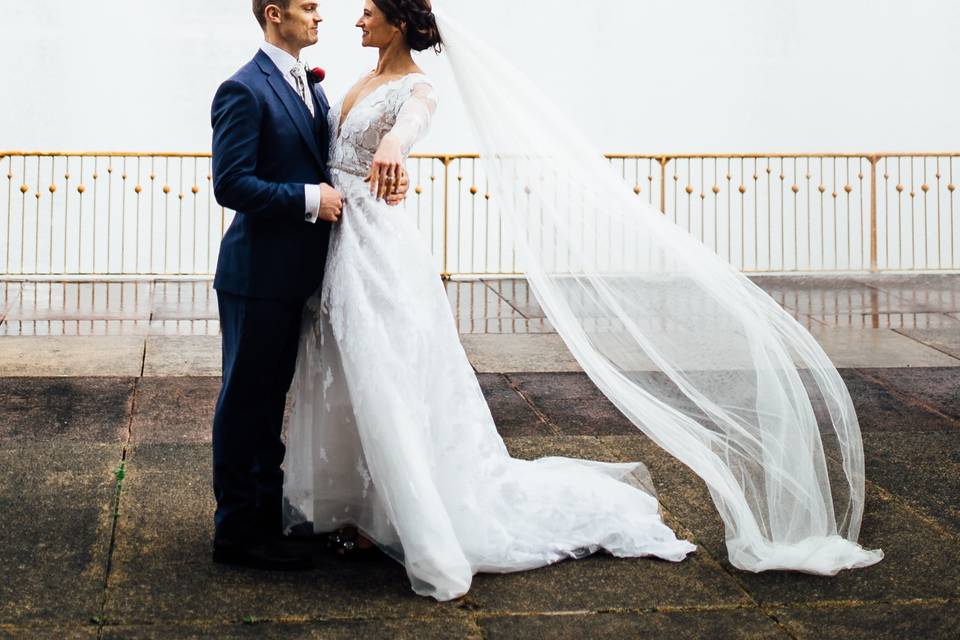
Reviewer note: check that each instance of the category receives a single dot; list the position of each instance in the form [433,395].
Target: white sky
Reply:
[640,75]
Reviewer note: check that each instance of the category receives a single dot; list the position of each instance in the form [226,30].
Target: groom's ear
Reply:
[272,13]
[267,11]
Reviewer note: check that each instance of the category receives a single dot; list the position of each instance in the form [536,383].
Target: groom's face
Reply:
[298,24]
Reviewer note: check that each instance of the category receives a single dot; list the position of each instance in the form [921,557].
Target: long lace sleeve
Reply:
[414,116]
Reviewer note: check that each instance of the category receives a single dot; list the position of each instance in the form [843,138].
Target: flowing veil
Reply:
[699,358]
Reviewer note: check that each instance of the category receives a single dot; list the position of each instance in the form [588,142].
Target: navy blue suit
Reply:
[266,147]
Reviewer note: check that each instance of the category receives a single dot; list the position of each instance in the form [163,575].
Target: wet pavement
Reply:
[106,398]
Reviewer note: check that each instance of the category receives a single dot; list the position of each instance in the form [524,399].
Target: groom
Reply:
[270,154]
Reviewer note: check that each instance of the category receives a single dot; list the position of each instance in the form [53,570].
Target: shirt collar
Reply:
[284,61]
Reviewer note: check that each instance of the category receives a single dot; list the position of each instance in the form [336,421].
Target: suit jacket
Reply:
[266,147]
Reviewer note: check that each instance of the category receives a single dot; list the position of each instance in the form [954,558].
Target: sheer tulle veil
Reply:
[699,358]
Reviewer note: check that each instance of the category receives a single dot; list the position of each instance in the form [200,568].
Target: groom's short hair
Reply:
[260,6]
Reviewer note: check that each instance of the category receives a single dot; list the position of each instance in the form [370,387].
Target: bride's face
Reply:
[377,32]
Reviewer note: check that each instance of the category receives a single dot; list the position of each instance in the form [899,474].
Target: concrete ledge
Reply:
[41,356]
[178,356]
[878,348]
[518,353]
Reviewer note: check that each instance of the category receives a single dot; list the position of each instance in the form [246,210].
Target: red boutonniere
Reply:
[317,74]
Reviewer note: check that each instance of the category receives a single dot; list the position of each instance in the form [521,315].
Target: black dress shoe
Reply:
[261,554]
[304,532]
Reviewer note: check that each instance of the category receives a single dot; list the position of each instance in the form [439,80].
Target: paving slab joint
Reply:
[854,603]
[509,304]
[695,608]
[541,416]
[120,473]
[929,346]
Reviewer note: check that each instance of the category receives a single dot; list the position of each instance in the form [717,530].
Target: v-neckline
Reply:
[343,117]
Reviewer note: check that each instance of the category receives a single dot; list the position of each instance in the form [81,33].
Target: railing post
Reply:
[663,184]
[873,213]
[445,272]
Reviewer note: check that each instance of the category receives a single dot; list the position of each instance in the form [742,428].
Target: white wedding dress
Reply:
[390,430]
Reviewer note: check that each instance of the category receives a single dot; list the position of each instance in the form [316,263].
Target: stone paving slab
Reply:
[679,489]
[47,632]
[175,409]
[188,300]
[574,406]
[920,562]
[184,327]
[601,583]
[877,348]
[65,409]
[873,621]
[414,629]
[75,327]
[532,448]
[935,388]
[945,340]
[9,295]
[931,291]
[180,409]
[835,294]
[162,567]
[518,353]
[879,408]
[477,300]
[497,326]
[922,469]
[717,625]
[512,414]
[592,581]
[57,504]
[35,356]
[83,301]
[845,348]
[572,403]
[182,356]
[518,294]
[908,321]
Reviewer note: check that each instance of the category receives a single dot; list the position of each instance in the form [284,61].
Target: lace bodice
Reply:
[401,108]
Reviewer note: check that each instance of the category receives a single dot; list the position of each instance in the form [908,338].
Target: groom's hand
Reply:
[331,204]
[399,192]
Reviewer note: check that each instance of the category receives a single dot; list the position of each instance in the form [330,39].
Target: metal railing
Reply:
[154,214]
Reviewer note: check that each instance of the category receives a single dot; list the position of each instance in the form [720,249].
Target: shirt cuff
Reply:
[311,195]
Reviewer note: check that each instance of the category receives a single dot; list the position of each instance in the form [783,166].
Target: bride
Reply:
[390,434]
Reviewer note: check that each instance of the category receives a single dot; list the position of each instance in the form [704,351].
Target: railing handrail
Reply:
[862,199]
[474,156]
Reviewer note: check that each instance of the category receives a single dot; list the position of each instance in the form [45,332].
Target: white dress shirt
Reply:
[285,62]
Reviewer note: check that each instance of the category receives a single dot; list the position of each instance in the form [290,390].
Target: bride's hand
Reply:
[386,168]
[399,193]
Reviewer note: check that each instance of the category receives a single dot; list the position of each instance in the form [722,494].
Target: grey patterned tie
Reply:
[299,77]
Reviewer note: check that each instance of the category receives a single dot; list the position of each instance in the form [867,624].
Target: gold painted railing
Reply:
[154,214]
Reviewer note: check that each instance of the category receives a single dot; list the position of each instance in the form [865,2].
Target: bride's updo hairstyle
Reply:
[421,26]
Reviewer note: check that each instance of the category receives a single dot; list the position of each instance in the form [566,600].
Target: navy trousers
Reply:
[260,339]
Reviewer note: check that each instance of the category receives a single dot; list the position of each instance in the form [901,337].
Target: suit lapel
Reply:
[321,109]
[321,97]
[291,102]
